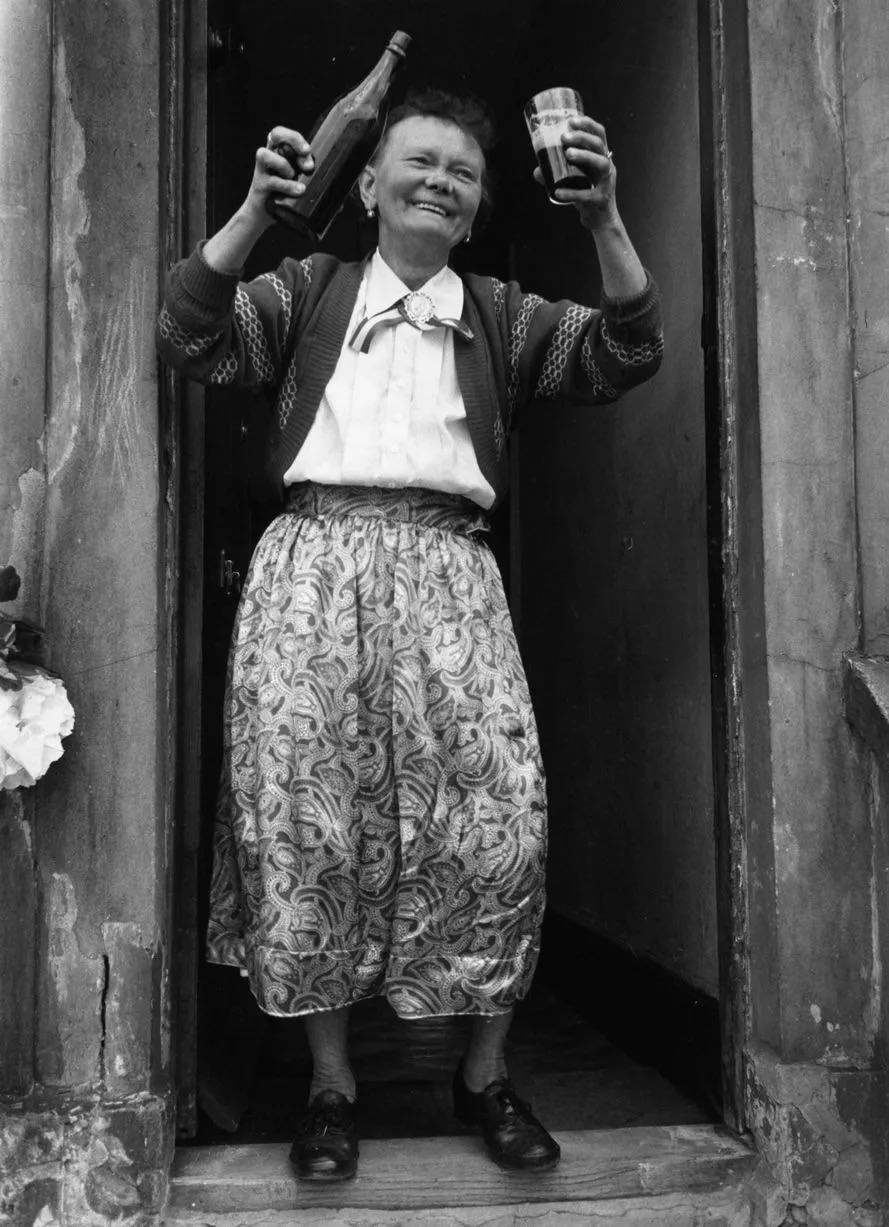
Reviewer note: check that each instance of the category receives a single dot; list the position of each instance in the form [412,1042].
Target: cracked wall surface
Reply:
[819,1132]
[823,981]
[84,1077]
[816,1096]
[100,878]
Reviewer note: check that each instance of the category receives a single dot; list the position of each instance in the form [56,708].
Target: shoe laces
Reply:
[328,1118]
[509,1100]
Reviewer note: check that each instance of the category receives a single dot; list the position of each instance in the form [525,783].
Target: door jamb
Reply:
[183,222]
[742,764]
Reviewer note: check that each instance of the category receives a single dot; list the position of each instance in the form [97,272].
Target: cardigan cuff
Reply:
[631,307]
[205,285]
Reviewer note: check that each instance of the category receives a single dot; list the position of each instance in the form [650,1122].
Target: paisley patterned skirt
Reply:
[382,813]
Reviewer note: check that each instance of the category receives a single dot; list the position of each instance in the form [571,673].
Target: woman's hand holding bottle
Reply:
[274,176]
[284,157]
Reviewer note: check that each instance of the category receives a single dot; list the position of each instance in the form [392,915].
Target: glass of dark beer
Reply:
[547,115]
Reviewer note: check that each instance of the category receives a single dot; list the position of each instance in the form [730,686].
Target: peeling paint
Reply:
[15,810]
[70,224]
[827,47]
[69,1051]
[788,846]
[27,541]
[130,958]
[115,403]
[821,239]
[62,941]
[797,261]
[46,1218]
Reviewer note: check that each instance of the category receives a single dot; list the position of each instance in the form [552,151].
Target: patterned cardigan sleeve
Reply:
[569,352]
[219,330]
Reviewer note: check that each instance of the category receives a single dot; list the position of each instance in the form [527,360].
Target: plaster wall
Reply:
[613,506]
[825,981]
[97,847]
[80,472]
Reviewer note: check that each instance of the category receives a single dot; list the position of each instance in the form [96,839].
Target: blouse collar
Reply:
[385,288]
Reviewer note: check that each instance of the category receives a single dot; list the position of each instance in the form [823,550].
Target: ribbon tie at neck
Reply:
[417,309]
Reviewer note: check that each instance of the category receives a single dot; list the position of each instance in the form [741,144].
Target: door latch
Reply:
[229,578]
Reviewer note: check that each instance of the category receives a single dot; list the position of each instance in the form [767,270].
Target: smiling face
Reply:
[426,182]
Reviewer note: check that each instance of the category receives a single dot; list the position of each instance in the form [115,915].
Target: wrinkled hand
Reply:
[586,147]
[285,156]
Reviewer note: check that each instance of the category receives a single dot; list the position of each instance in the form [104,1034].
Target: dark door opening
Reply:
[604,547]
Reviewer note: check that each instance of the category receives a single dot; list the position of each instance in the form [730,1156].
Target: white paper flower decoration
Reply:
[33,721]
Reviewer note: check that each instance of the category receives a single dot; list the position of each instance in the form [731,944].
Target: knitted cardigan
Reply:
[285,330]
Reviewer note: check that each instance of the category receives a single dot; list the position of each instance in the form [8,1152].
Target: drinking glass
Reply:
[547,115]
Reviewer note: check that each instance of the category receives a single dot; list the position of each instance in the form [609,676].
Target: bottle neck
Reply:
[377,80]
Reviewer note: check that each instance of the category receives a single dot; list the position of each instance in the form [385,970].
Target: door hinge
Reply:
[224,44]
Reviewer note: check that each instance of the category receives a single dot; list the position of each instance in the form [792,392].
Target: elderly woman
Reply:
[382,815]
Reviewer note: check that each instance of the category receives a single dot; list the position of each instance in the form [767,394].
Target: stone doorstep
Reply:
[731,1208]
[700,1163]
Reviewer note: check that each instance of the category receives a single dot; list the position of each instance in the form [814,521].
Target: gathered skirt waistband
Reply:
[429,508]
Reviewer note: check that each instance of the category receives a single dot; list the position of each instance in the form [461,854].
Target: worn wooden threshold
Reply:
[422,1173]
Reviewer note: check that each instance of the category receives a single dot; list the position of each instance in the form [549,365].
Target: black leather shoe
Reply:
[326,1146]
[514,1137]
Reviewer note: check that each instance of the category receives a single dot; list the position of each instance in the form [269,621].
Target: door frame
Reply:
[739,695]
[742,783]
[183,208]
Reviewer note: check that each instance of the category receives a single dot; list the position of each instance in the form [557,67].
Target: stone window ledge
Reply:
[867,702]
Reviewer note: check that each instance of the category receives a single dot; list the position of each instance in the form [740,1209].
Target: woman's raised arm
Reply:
[273,175]
[587,148]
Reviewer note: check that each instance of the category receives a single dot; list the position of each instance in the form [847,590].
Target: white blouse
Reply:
[394,416]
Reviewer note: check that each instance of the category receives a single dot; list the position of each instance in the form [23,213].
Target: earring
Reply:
[468,235]
[371,210]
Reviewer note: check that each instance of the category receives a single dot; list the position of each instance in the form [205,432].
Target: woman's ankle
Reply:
[328,1036]
[342,1081]
[480,1073]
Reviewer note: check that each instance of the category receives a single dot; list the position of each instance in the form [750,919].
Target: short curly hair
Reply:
[466,111]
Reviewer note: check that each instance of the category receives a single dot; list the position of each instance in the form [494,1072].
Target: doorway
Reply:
[608,510]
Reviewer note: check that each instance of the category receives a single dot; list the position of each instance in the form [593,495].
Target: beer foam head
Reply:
[546,127]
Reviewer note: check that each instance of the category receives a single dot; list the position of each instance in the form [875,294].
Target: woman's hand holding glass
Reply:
[586,147]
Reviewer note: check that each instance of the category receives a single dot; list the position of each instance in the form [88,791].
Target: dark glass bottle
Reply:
[341,145]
